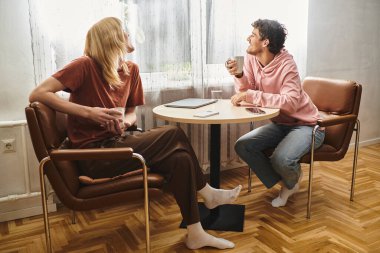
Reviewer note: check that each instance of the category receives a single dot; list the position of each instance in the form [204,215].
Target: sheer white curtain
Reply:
[228,24]
[181,46]
[59,29]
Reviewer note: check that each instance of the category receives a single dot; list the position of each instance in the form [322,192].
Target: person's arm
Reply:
[245,80]
[238,98]
[287,100]
[45,93]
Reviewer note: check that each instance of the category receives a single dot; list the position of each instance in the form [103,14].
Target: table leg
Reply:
[226,217]
[214,147]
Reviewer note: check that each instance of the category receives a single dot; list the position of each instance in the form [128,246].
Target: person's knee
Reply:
[175,131]
[239,147]
[171,128]
[182,156]
[242,146]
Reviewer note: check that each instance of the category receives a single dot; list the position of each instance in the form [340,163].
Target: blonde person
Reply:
[101,80]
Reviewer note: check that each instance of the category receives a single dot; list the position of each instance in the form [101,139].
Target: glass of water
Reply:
[216,94]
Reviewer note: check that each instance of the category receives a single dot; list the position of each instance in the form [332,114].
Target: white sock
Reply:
[216,197]
[198,238]
[285,193]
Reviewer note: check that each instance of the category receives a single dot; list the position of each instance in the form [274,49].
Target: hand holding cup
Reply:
[121,117]
[234,65]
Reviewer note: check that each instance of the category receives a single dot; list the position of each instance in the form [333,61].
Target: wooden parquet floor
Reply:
[336,225]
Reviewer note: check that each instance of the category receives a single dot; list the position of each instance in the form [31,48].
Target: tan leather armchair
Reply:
[338,102]
[48,130]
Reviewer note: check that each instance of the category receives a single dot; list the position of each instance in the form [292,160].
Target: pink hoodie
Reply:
[277,85]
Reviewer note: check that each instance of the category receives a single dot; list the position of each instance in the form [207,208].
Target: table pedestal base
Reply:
[223,218]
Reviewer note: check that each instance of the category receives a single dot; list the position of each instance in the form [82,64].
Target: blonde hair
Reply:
[106,44]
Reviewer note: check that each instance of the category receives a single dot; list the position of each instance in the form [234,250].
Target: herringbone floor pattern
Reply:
[336,225]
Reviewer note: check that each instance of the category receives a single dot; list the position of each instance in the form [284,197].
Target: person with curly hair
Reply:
[270,78]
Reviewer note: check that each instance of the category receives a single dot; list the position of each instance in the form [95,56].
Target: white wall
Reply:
[343,42]
[19,183]
[16,59]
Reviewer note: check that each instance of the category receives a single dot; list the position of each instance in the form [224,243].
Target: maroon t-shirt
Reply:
[84,80]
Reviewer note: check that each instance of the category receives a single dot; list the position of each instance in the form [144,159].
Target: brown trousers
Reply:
[167,151]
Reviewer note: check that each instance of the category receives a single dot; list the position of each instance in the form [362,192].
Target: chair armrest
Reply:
[337,120]
[92,154]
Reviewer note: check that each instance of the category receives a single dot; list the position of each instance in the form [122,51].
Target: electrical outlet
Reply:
[8,145]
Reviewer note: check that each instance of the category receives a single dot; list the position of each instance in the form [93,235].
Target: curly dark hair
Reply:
[273,31]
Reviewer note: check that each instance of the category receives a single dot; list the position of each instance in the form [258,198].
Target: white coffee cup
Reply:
[122,110]
[239,63]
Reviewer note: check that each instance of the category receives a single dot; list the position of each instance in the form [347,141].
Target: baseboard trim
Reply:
[366,142]
[23,205]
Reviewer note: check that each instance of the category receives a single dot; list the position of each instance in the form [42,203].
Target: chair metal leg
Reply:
[252,126]
[308,214]
[249,179]
[44,203]
[146,200]
[355,163]
[73,217]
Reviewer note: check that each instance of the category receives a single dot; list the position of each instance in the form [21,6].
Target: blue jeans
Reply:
[290,143]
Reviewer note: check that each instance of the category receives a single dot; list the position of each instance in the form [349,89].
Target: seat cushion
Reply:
[323,153]
[119,185]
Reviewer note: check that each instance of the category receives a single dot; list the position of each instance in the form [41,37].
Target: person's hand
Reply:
[237,98]
[102,115]
[106,118]
[117,125]
[126,124]
[231,66]
[113,126]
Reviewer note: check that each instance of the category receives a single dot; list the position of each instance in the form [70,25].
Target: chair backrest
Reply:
[334,98]
[48,125]
[47,131]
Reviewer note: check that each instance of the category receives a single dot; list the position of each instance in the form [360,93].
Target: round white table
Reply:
[226,217]
[227,114]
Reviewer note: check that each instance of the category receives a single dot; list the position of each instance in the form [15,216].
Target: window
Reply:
[179,43]
[187,42]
